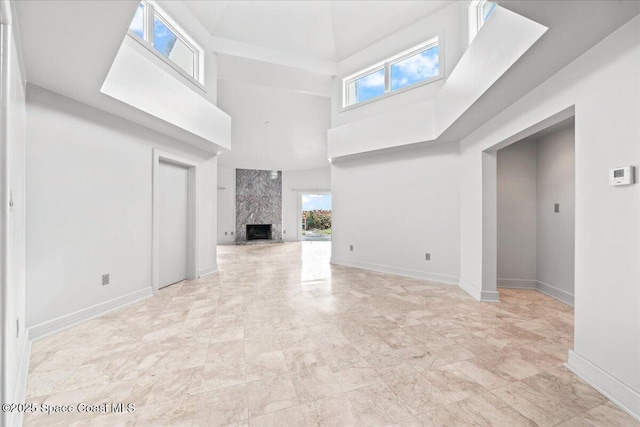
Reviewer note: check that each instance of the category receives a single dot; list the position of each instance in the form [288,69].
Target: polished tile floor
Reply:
[281,338]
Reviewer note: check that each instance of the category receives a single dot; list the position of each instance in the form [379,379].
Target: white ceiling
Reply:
[325,30]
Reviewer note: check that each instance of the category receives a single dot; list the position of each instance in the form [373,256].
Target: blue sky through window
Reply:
[487,10]
[137,25]
[163,37]
[414,69]
[316,201]
[370,86]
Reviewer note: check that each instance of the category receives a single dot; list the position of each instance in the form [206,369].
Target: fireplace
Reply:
[258,231]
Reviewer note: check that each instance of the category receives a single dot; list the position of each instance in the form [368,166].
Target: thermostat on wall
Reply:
[622,176]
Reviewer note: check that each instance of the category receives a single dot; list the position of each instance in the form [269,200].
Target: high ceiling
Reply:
[285,48]
[325,30]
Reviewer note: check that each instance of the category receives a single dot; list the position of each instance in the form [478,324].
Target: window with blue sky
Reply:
[414,69]
[418,65]
[165,38]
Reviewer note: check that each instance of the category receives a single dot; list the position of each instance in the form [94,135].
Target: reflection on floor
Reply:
[279,337]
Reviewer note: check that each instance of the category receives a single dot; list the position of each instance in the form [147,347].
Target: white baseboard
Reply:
[58,324]
[545,288]
[208,270]
[517,283]
[477,293]
[20,387]
[435,277]
[615,390]
[470,288]
[489,296]
[554,292]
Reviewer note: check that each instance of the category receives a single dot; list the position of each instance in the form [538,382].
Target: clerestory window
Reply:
[163,36]
[418,65]
[479,13]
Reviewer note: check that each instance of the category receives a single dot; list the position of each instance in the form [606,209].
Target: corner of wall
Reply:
[615,390]
[477,293]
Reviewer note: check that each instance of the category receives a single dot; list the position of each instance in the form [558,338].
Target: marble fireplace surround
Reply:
[258,201]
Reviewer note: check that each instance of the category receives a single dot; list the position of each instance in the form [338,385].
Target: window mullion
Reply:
[148,28]
[387,78]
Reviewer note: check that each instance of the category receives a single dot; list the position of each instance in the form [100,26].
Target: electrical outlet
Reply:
[556,208]
[351,248]
[105,279]
[427,256]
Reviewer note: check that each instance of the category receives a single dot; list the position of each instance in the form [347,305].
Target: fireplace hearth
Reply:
[259,231]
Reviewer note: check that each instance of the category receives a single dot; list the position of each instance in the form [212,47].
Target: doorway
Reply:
[536,212]
[174,220]
[316,216]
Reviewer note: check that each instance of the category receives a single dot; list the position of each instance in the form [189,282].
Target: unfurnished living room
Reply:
[320,213]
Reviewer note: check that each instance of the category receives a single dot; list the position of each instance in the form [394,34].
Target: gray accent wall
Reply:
[258,201]
[536,245]
[556,231]
[516,211]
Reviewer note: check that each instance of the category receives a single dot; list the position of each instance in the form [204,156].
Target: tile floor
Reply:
[281,338]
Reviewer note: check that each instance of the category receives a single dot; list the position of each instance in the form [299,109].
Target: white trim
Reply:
[615,390]
[517,283]
[555,292]
[435,277]
[489,296]
[208,270]
[192,223]
[537,285]
[20,388]
[477,293]
[166,60]
[4,205]
[66,321]
[470,288]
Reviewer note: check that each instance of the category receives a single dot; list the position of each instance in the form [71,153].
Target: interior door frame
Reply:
[192,215]
[4,177]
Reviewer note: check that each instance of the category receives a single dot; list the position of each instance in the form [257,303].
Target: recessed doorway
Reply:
[536,213]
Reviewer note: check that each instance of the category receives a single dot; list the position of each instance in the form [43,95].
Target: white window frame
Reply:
[476,19]
[151,11]
[386,66]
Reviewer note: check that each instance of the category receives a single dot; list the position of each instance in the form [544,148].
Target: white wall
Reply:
[207,214]
[556,231]
[517,211]
[166,94]
[14,357]
[89,187]
[226,205]
[603,86]
[394,208]
[294,183]
[295,136]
